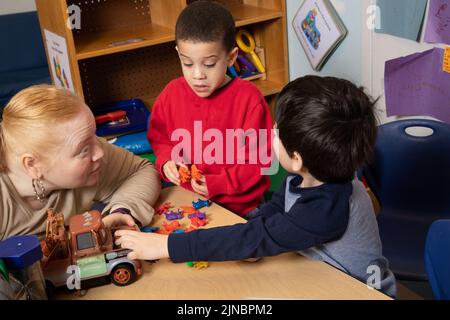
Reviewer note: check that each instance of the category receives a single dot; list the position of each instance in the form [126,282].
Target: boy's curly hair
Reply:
[206,21]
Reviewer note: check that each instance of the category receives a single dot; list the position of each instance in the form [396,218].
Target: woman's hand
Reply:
[144,246]
[118,219]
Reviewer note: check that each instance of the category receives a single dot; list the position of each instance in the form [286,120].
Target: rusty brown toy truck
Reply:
[84,252]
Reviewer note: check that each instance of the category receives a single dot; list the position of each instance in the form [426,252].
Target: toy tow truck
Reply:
[88,245]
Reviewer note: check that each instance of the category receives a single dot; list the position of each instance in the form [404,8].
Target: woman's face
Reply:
[75,161]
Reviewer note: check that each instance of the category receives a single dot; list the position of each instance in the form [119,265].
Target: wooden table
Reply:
[287,276]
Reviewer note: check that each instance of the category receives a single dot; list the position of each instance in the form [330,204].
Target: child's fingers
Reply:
[127,233]
[202,178]
[182,165]
[174,170]
[172,173]
[172,178]
[198,188]
[132,256]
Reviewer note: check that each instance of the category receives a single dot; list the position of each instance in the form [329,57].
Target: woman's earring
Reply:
[39,190]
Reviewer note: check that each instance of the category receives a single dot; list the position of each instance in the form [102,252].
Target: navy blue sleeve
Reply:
[314,219]
[276,204]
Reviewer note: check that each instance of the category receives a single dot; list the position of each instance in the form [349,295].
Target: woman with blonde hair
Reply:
[50,157]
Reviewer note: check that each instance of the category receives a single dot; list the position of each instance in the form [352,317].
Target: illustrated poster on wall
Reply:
[59,60]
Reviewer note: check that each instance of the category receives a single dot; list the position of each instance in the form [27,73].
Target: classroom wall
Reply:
[362,55]
[16,6]
[376,49]
[347,59]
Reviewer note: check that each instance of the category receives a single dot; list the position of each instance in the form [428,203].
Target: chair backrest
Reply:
[410,173]
[22,44]
[437,258]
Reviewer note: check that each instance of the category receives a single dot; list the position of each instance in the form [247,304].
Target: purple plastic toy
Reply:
[173,215]
[200,215]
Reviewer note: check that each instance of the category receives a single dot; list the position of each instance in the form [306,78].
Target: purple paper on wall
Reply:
[438,24]
[416,85]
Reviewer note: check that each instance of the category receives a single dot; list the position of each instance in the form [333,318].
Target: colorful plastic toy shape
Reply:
[149,229]
[185,174]
[200,215]
[201,203]
[196,174]
[191,228]
[172,215]
[171,226]
[188,209]
[197,222]
[164,207]
[200,265]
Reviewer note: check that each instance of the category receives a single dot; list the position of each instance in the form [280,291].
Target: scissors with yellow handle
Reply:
[246,43]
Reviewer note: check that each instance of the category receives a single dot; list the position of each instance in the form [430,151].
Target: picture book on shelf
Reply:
[319,29]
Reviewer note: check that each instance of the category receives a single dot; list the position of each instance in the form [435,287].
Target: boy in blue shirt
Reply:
[326,131]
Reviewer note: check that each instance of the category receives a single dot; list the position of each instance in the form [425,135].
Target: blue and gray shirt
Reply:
[334,223]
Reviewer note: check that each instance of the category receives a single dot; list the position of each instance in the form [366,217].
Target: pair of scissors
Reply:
[246,43]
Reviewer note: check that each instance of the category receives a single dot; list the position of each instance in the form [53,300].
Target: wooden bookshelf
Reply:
[125,48]
[102,43]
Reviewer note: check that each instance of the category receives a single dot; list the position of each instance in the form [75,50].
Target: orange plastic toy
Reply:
[185,174]
[196,174]
[172,226]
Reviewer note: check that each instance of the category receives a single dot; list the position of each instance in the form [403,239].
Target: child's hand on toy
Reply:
[118,219]
[200,186]
[170,170]
[144,246]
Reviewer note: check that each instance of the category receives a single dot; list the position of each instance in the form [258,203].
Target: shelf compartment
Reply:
[268,87]
[246,14]
[111,26]
[102,43]
[141,73]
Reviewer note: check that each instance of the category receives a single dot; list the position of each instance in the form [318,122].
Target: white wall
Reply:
[16,6]
[347,59]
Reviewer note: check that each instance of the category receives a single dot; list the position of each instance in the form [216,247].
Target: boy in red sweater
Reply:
[220,124]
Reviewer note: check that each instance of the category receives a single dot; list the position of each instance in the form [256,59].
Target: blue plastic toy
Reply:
[149,229]
[201,203]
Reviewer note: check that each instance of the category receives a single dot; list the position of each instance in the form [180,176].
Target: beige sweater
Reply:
[125,180]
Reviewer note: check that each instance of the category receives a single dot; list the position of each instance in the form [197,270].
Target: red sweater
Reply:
[239,105]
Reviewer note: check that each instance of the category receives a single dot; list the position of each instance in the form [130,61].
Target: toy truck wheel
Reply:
[123,275]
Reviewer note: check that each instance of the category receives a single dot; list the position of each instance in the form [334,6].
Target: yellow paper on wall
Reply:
[446,64]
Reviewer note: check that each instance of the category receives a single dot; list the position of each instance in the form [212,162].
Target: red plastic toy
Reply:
[110,116]
[197,222]
[171,226]
[164,208]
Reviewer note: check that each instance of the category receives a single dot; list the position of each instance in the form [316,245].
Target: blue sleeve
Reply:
[276,204]
[312,221]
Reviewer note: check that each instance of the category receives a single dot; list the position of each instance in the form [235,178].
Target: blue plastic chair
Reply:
[410,176]
[437,259]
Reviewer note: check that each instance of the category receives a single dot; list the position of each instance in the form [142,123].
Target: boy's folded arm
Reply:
[262,236]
